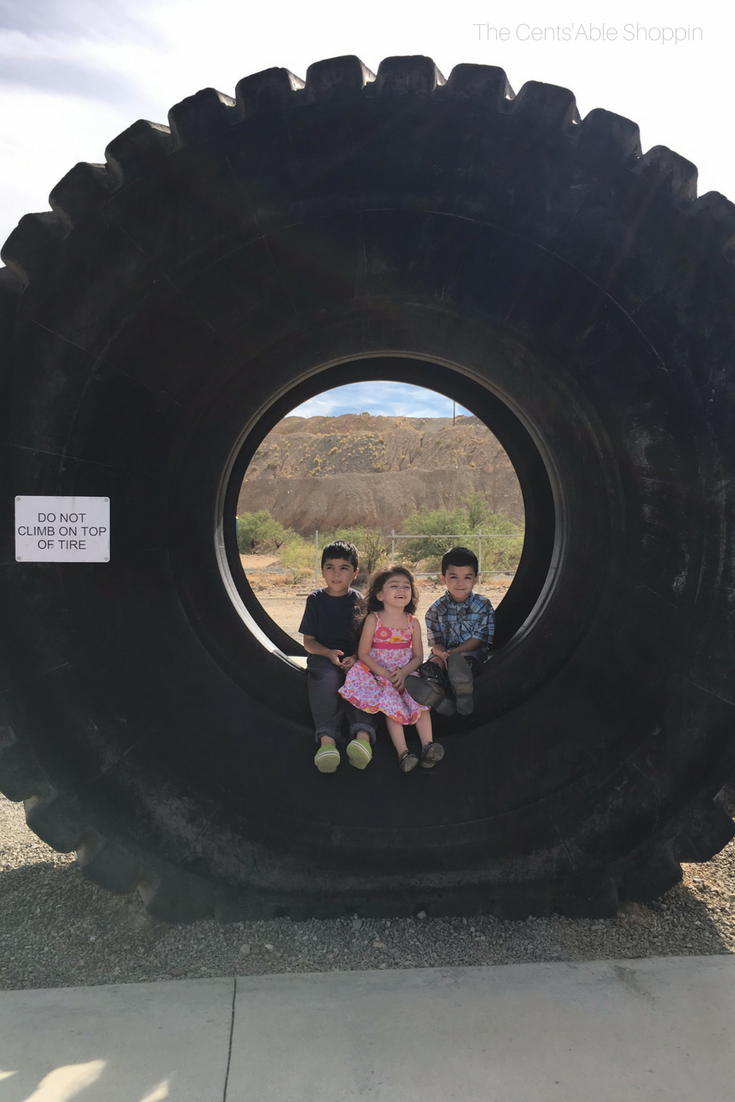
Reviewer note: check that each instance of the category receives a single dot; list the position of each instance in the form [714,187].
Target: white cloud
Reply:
[70,78]
[82,18]
[389,399]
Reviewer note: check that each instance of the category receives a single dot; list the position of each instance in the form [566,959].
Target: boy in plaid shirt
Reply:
[460,627]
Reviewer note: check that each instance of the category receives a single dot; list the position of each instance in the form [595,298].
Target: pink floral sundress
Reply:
[392,648]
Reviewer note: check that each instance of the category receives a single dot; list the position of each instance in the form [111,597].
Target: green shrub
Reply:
[297,556]
[256,529]
[447,527]
[373,548]
[443,524]
[478,510]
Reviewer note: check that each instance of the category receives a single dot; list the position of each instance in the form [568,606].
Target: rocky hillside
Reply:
[327,472]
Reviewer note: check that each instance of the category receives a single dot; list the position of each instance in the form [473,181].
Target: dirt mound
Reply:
[357,469]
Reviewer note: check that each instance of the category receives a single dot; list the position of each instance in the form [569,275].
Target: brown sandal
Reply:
[407,761]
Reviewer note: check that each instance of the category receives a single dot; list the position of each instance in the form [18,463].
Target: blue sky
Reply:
[388,398]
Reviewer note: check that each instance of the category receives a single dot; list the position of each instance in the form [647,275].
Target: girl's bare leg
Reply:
[423,728]
[397,737]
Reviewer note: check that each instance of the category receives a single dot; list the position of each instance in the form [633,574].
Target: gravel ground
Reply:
[57,930]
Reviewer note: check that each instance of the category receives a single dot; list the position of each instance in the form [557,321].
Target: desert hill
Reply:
[358,469]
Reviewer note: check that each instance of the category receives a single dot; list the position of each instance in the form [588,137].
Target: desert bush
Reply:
[501,555]
[374,551]
[478,510]
[445,526]
[442,524]
[255,530]
[373,548]
[297,556]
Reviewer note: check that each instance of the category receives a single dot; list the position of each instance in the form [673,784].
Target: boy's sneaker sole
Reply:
[360,753]
[445,707]
[461,680]
[424,692]
[327,759]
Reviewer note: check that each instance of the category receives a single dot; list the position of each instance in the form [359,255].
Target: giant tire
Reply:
[183,297]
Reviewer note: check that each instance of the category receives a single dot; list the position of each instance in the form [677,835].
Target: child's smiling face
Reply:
[396,592]
[339,574]
[459,581]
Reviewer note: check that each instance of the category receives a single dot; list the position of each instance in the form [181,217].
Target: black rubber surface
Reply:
[181,299]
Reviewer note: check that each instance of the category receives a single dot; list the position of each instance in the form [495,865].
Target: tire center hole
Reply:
[401,471]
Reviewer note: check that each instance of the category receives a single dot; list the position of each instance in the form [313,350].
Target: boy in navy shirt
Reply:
[330,638]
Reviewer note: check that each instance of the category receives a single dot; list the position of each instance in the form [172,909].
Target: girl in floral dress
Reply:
[389,651]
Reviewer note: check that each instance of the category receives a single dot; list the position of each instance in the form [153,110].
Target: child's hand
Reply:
[398,680]
[384,675]
[335,656]
[348,662]
[441,653]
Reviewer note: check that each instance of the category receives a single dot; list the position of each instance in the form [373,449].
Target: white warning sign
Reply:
[62,529]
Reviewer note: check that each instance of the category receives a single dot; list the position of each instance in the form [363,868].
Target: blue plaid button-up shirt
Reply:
[449,622]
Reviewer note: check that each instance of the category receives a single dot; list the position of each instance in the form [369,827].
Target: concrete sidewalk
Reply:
[609,1031]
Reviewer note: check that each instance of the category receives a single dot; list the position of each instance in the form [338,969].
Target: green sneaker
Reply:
[326,759]
[360,753]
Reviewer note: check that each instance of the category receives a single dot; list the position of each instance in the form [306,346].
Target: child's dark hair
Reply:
[370,602]
[340,549]
[459,556]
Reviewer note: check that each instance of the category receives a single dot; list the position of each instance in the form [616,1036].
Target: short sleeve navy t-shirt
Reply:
[331,620]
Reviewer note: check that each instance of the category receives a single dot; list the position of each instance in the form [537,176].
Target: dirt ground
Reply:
[284,601]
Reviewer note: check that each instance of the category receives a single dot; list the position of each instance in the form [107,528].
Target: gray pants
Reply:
[328,708]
